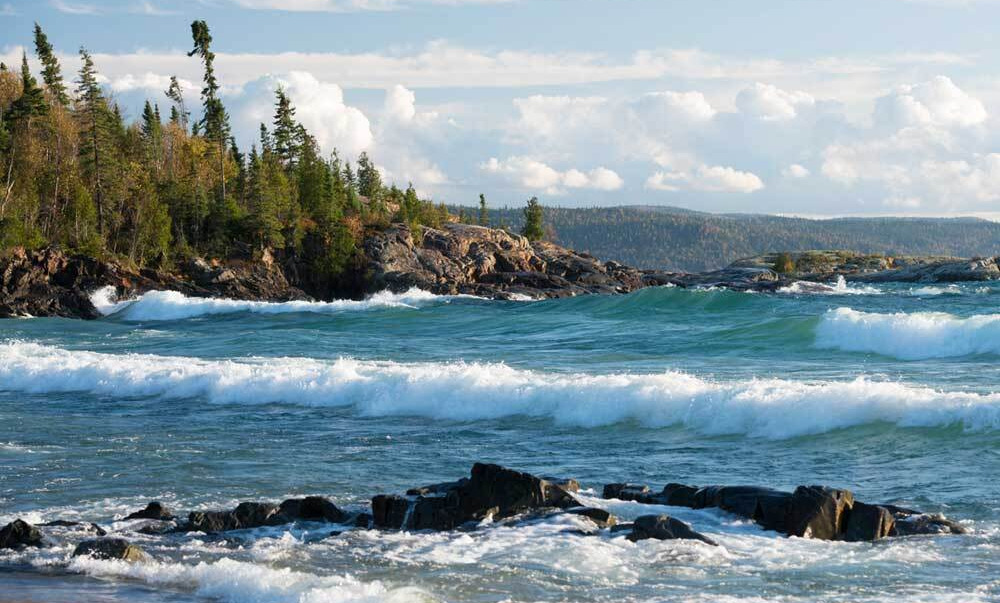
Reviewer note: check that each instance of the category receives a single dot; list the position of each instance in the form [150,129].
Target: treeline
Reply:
[677,239]
[74,173]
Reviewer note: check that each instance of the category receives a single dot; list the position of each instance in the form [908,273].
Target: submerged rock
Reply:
[18,534]
[110,549]
[154,510]
[664,527]
[600,517]
[258,514]
[927,524]
[90,527]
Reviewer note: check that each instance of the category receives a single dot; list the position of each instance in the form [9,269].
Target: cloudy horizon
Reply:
[786,107]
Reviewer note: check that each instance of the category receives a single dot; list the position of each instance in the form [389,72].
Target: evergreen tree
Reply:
[214,122]
[92,112]
[533,220]
[32,101]
[369,180]
[286,132]
[179,114]
[51,73]
[484,212]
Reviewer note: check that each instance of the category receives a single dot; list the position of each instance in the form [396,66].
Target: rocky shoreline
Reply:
[494,494]
[456,259]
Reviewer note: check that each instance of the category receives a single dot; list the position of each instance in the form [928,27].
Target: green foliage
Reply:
[80,176]
[784,264]
[533,228]
[484,212]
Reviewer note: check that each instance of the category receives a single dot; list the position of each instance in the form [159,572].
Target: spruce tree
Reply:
[484,212]
[286,131]
[51,73]
[92,111]
[32,101]
[179,114]
[534,228]
[214,122]
[369,180]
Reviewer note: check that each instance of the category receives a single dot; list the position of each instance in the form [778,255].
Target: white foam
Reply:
[840,287]
[172,305]
[459,391]
[914,336]
[243,582]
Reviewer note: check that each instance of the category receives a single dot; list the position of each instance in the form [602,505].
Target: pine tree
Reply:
[51,73]
[286,131]
[214,122]
[534,228]
[93,114]
[484,212]
[179,114]
[32,101]
[369,180]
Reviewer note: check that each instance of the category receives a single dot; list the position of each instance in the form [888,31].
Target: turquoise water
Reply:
[891,391]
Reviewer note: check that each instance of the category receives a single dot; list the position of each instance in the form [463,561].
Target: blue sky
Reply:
[808,107]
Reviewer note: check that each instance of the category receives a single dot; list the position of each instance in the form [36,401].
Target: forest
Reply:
[166,187]
[671,238]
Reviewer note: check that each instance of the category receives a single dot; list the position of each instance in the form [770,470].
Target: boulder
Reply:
[868,523]
[818,512]
[154,510]
[600,517]
[927,524]
[310,508]
[245,515]
[664,527]
[110,549]
[632,492]
[18,534]
[491,490]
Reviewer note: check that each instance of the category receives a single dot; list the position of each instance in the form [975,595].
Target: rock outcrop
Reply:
[467,259]
[664,527]
[817,512]
[257,514]
[154,510]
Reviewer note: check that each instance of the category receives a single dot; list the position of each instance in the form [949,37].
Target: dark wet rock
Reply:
[310,508]
[632,492]
[360,520]
[245,515]
[600,517]
[818,512]
[927,524]
[868,522]
[491,490]
[61,523]
[664,527]
[18,534]
[567,484]
[679,495]
[110,549]
[154,510]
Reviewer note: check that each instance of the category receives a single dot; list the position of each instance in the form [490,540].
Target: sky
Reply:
[808,107]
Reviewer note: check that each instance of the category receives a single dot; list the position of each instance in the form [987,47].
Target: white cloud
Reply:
[146,7]
[938,102]
[796,171]
[73,8]
[7,10]
[535,175]
[770,103]
[713,179]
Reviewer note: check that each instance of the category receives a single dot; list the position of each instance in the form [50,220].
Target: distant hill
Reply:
[672,238]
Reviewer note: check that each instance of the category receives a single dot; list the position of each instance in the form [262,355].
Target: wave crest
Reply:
[916,336]
[173,305]
[772,408]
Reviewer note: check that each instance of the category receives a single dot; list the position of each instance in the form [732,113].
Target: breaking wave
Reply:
[915,336]
[172,305]
[840,287]
[771,408]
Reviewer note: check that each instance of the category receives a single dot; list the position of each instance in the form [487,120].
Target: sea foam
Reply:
[172,305]
[462,391]
[914,336]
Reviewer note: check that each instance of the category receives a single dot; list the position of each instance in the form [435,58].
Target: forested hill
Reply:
[679,239]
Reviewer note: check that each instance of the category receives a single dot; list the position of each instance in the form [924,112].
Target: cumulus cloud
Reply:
[535,175]
[796,171]
[938,102]
[770,103]
[713,179]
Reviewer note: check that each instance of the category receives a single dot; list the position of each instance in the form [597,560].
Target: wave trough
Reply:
[173,305]
[771,408]
[914,336]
